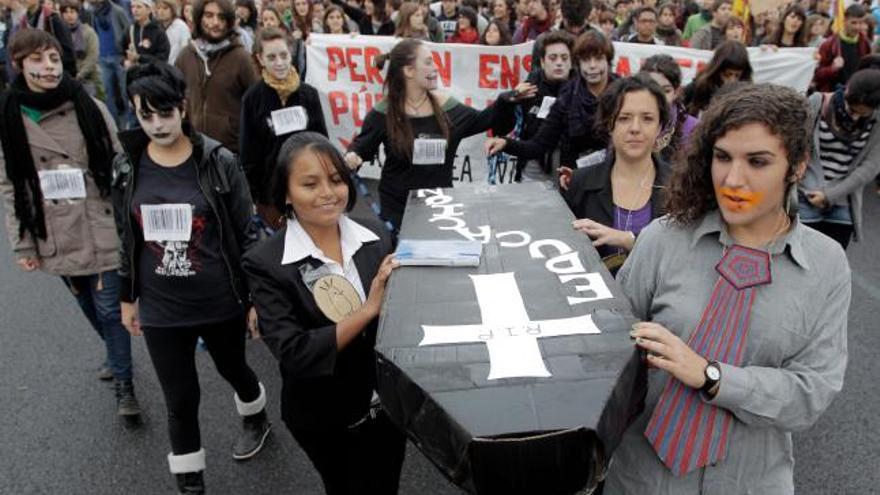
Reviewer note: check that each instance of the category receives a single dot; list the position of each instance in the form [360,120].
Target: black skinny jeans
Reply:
[172,351]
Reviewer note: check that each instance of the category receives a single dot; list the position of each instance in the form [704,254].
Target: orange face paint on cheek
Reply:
[736,200]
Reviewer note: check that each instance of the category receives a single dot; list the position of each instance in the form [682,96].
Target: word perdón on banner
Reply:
[342,69]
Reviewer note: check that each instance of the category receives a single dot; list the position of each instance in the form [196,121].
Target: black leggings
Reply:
[172,351]
[840,232]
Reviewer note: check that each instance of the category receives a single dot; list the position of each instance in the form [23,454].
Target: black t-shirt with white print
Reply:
[182,282]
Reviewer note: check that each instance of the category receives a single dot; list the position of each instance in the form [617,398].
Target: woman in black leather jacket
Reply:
[183,208]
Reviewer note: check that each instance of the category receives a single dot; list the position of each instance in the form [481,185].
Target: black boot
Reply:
[190,483]
[255,430]
[126,403]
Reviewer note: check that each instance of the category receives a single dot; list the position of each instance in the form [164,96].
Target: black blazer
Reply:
[590,196]
[322,387]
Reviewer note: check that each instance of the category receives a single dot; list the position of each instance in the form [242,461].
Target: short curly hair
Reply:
[783,111]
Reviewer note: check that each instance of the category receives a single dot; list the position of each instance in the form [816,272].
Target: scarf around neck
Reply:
[844,127]
[284,87]
[582,107]
[20,169]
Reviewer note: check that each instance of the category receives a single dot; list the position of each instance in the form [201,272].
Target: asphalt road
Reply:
[59,433]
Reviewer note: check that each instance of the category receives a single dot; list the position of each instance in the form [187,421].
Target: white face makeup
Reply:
[556,62]
[594,70]
[42,70]
[275,58]
[163,127]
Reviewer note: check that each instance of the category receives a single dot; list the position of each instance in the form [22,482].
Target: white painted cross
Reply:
[512,339]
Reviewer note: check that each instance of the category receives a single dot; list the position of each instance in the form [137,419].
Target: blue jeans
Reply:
[113,77]
[98,296]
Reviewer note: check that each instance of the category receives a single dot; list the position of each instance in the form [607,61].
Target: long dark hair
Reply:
[800,37]
[729,55]
[227,13]
[398,128]
[335,8]
[782,111]
[504,33]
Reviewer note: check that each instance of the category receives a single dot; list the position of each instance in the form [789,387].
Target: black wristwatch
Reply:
[712,372]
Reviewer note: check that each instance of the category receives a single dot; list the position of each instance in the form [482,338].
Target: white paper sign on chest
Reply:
[65,183]
[546,105]
[167,222]
[290,119]
[429,151]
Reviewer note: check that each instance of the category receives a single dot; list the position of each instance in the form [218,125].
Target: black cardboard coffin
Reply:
[508,434]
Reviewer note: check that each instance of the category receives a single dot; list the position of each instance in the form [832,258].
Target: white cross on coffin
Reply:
[509,334]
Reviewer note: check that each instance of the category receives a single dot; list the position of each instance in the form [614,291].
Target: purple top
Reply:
[687,127]
[632,220]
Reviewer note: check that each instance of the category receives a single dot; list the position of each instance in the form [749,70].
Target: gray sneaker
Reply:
[104,373]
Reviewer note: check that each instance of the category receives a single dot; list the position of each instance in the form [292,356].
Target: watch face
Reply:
[713,373]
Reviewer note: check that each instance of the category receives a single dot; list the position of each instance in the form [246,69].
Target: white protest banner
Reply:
[342,69]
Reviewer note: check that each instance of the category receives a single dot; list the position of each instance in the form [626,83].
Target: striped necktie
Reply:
[686,432]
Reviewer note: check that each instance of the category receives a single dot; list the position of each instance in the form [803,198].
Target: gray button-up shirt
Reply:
[794,361]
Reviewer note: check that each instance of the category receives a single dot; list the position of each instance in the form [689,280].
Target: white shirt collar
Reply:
[298,244]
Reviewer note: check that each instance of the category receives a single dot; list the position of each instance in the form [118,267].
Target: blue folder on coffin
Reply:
[516,376]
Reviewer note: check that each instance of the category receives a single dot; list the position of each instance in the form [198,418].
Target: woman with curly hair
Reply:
[730,63]
[739,352]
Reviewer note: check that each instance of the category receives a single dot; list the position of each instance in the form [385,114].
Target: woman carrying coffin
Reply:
[272,109]
[318,286]
[740,353]
[420,129]
[622,190]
